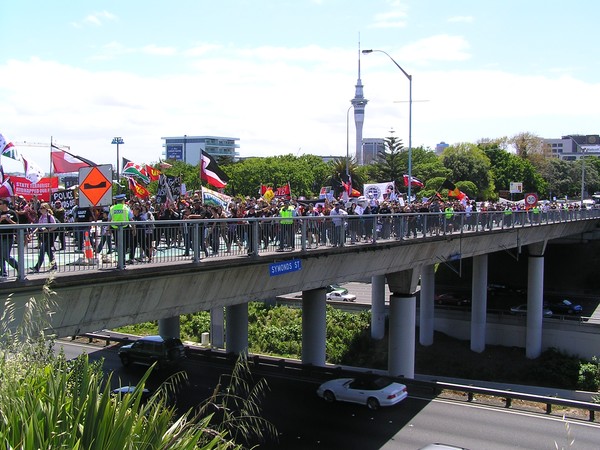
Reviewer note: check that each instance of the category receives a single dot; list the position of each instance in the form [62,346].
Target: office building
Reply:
[189,148]
[574,146]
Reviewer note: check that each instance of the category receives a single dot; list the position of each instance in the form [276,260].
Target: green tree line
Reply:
[481,170]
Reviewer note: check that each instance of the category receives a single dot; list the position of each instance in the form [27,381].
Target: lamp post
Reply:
[118,140]
[582,177]
[409,116]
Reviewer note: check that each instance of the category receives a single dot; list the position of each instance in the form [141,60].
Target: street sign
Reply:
[285,267]
[531,200]
[516,187]
[95,186]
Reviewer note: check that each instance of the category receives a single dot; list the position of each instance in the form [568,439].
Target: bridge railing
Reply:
[30,249]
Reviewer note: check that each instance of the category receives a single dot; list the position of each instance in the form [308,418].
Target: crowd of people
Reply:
[335,223]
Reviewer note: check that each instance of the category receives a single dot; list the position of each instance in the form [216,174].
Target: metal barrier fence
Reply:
[30,249]
[288,368]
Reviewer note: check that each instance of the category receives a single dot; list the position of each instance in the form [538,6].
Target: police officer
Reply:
[120,212]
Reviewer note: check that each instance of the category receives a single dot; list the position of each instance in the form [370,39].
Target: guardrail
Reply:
[295,369]
[73,247]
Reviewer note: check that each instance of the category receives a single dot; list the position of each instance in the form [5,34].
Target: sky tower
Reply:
[359,102]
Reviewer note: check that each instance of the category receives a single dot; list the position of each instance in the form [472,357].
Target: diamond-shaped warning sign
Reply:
[95,186]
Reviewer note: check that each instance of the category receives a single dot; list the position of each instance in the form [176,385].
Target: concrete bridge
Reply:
[108,297]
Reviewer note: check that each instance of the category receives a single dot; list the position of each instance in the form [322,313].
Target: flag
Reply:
[152,173]
[8,149]
[284,191]
[267,193]
[32,171]
[139,190]
[6,187]
[164,165]
[134,170]
[211,172]
[413,181]
[65,162]
[448,185]
[210,197]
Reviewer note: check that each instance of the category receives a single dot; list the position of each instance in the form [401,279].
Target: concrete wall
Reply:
[568,336]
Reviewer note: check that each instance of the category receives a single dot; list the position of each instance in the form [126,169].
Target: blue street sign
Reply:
[285,267]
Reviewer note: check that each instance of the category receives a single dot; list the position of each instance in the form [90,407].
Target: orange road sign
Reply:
[95,186]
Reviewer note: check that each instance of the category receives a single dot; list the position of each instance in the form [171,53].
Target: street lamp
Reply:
[409,116]
[118,140]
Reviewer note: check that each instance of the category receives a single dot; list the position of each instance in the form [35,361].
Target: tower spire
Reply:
[359,102]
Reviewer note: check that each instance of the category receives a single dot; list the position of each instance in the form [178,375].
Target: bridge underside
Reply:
[92,301]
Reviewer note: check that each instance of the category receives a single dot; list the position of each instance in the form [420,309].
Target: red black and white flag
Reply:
[413,181]
[65,162]
[211,172]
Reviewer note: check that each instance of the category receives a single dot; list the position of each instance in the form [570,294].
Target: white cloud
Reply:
[95,19]
[461,19]
[394,18]
[278,100]
[441,47]
[152,49]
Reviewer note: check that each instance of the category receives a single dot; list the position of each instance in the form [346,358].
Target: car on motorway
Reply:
[451,299]
[336,287]
[521,310]
[373,391]
[125,390]
[338,296]
[565,307]
[153,349]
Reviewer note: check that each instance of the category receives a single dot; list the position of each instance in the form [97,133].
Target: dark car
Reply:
[153,349]
[451,299]
[565,307]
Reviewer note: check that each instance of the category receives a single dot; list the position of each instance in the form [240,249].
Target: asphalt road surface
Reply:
[304,421]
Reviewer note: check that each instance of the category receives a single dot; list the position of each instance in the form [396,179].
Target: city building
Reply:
[371,148]
[439,148]
[574,146]
[189,148]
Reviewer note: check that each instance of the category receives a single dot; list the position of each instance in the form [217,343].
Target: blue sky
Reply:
[279,74]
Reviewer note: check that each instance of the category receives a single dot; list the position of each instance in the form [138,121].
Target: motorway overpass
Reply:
[97,299]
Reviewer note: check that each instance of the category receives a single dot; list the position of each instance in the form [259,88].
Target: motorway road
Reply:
[307,422]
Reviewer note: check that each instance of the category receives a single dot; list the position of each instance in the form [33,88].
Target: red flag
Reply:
[6,188]
[139,190]
[152,173]
[283,191]
[65,162]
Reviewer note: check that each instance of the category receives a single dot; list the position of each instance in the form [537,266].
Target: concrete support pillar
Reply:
[479,303]
[426,309]
[401,352]
[314,326]
[169,327]
[217,327]
[378,307]
[535,302]
[237,328]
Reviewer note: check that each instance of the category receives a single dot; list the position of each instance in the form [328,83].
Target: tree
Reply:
[469,163]
[507,167]
[390,164]
[337,174]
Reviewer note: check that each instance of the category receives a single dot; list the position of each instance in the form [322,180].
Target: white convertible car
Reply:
[373,391]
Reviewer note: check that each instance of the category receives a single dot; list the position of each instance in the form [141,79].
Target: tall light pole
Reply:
[409,116]
[582,168]
[118,140]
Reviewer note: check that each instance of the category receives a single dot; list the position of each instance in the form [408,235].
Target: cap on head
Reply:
[119,197]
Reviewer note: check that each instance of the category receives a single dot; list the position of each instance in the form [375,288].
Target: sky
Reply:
[280,74]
